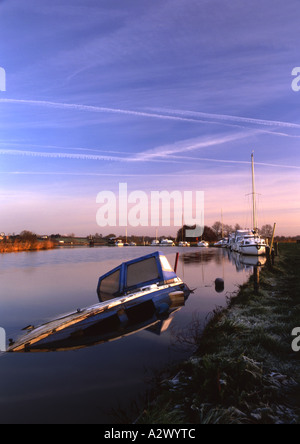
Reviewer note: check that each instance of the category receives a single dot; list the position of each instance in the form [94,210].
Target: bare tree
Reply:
[266,230]
[217,227]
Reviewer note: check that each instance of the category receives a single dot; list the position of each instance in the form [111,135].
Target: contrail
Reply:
[32,145]
[238,119]
[193,144]
[67,173]
[162,154]
[239,162]
[82,156]
[171,159]
[168,114]
[62,155]
[97,109]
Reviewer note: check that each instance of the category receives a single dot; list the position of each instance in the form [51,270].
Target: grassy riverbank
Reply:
[20,245]
[244,370]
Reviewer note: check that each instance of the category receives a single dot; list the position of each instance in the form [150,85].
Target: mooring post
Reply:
[268,254]
[273,236]
[273,257]
[256,280]
[176,262]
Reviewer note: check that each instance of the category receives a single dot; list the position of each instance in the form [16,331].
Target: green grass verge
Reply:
[244,370]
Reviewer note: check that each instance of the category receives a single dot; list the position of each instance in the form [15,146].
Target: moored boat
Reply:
[253,246]
[239,236]
[155,243]
[167,243]
[221,243]
[203,244]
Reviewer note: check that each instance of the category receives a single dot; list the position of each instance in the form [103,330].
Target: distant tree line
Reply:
[219,231]
[28,240]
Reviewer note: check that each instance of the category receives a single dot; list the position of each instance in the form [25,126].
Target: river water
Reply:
[91,384]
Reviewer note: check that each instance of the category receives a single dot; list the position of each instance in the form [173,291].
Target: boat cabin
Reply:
[131,276]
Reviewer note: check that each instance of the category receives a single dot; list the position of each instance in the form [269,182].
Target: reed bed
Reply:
[20,245]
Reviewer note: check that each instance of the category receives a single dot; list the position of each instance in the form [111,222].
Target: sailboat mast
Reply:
[222,223]
[253,193]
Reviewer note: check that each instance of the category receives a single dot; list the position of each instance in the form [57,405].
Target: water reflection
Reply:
[199,257]
[62,334]
[243,262]
[83,385]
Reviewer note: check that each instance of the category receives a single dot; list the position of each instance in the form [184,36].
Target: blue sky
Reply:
[162,95]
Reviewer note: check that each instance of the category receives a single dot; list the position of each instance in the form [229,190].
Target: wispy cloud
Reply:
[194,144]
[22,145]
[167,157]
[237,162]
[227,118]
[95,109]
[63,155]
[84,174]
[91,157]
[172,114]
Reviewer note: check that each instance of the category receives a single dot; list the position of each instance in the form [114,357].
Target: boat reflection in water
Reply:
[243,262]
[252,263]
[140,294]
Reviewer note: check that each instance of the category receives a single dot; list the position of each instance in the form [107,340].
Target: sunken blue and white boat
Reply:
[134,296]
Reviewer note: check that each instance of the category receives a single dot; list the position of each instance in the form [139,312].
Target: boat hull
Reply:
[253,250]
[135,294]
[104,322]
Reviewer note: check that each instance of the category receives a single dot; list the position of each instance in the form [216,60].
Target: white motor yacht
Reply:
[167,243]
[253,246]
[221,243]
[155,243]
[203,244]
[239,236]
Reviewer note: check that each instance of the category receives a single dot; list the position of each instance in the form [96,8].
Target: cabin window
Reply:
[142,272]
[109,286]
